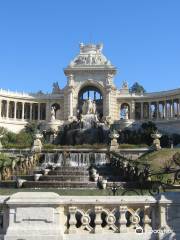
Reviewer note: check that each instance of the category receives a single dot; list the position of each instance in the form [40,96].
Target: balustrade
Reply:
[89,217]
[110,218]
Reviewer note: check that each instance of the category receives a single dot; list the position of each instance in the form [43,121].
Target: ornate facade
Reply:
[90,76]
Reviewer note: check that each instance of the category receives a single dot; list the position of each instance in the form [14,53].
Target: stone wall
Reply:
[38,215]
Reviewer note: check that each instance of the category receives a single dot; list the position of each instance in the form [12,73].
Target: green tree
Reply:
[147,129]
[137,88]
[24,138]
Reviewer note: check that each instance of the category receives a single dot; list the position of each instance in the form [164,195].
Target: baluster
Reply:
[162,215]
[98,220]
[122,219]
[72,220]
[153,217]
[147,220]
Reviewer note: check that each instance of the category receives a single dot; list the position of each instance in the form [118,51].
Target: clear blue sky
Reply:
[38,38]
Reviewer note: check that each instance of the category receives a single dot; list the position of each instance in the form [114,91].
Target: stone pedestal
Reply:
[37,145]
[114,144]
[34,216]
[53,125]
[156,142]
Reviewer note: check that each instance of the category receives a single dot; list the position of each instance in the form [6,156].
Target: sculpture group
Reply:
[89,107]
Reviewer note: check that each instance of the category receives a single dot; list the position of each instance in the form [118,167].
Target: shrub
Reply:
[176,158]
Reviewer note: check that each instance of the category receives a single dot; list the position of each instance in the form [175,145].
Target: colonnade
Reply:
[158,110]
[18,110]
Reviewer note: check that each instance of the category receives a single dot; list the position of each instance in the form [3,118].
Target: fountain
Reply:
[73,166]
[86,129]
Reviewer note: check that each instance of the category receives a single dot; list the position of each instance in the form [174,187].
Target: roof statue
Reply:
[125,85]
[90,54]
[56,88]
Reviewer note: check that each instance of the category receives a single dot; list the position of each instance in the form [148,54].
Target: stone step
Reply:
[62,184]
[71,169]
[70,172]
[8,184]
[25,177]
[79,178]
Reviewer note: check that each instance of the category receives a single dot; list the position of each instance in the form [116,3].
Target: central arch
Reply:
[94,93]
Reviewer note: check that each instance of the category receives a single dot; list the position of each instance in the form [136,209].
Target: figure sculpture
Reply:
[126,113]
[53,113]
[89,107]
[124,85]
[56,88]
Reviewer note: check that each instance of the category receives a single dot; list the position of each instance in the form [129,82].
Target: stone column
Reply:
[7,109]
[179,108]
[0,107]
[164,109]
[157,110]
[30,111]
[22,110]
[15,108]
[150,110]
[171,109]
[39,108]
[142,113]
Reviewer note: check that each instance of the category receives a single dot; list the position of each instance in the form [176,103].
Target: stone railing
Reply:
[38,216]
[108,215]
[14,93]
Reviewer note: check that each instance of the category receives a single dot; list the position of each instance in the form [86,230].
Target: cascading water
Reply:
[74,159]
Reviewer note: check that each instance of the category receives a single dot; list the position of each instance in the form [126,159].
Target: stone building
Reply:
[90,75]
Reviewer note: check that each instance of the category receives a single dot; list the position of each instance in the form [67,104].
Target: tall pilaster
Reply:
[108,102]
[70,96]
[108,92]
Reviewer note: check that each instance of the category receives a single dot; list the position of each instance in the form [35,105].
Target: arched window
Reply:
[56,109]
[93,93]
[125,111]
